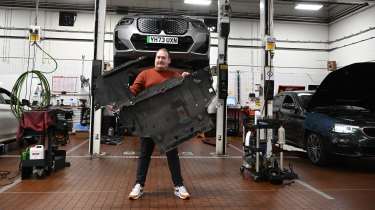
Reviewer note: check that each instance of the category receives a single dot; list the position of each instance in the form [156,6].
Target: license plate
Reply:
[162,40]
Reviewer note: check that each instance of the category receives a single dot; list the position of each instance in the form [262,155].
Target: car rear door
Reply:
[291,119]
[297,121]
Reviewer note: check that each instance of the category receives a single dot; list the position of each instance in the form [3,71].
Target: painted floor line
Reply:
[7,187]
[18,180]
[62,192]
[285,157]
[157,191]
[68,152]
[323,194]
[10,156]
[349,189]
[236,148]
[158,157]
[76,147]
[299,181]
[129,156]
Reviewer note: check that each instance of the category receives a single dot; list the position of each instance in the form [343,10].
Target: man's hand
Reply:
[185,74]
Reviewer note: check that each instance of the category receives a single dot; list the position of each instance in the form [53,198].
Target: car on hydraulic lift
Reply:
[338,119]
[187,39]
[8,121]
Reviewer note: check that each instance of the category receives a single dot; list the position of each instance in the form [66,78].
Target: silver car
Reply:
[187,39]
[8,122]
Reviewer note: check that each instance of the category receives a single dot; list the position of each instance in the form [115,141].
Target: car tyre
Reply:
[316,149]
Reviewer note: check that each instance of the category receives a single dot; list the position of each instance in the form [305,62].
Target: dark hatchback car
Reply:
[338,119]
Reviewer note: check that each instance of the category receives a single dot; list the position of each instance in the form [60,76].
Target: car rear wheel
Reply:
[316,150]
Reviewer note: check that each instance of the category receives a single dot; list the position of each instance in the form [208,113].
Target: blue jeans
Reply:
[147,147]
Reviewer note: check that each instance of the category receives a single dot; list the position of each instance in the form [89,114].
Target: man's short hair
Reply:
[165,50]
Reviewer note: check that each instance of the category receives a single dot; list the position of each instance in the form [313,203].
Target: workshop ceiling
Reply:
[283,9]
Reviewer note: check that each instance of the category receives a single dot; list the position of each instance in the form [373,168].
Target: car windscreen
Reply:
[5,96]
[2,101]
[304,98]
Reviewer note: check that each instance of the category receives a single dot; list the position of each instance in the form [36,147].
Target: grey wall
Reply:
[353,38]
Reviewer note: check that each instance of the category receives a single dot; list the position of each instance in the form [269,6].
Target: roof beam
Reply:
[342,2]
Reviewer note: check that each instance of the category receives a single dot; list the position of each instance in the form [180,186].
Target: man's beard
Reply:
[161,68]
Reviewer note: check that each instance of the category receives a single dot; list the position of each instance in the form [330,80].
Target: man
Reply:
[145,79]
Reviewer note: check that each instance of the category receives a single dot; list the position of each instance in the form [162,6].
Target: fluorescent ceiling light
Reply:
[198,2]
[314,7]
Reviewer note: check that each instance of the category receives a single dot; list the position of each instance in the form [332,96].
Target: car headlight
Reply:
[125,21]
[199,25]
[342,128]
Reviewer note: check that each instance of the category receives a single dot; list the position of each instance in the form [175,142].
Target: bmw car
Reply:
[186,39]
[338,119]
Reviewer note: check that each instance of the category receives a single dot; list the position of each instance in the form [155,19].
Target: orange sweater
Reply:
[150,77]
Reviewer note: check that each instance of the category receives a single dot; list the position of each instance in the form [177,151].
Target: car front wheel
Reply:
[316,150]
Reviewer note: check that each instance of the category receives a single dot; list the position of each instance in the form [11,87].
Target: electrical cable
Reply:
[27,69]
[5,175]
[31,82]
[16,106]
[53,59]
[34,56]
[89,101]
[9,40]
[6,33]
[3,185]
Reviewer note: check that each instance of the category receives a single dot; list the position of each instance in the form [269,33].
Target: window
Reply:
[2,101]
[231,101]
[65,84]
[288,100]
[304,98]
[4,96]
[288,103]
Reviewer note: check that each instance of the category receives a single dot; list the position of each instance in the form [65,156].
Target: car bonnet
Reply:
[351,85]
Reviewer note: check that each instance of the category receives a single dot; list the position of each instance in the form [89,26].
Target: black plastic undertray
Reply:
[170,113]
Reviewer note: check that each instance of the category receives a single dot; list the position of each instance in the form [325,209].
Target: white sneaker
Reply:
[181,192]
[136,192]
